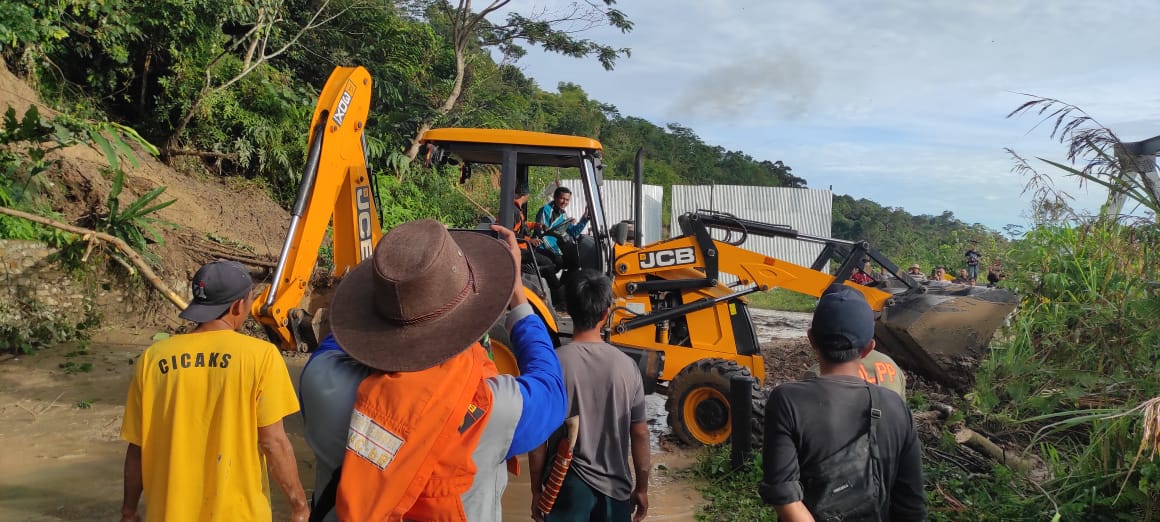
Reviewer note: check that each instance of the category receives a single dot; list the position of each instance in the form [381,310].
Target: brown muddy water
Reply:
[61,456]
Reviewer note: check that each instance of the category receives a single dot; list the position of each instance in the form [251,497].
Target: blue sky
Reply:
[901,102]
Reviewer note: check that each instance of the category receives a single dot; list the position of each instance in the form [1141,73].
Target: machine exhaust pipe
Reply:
[638,198]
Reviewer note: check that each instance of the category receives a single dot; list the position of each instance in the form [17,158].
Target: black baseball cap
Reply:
[843,311]
[215,286]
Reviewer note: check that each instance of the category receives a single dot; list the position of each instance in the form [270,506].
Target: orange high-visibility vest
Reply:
[412,434]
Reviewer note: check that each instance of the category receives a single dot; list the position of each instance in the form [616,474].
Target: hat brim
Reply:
[391,347]
[204,313]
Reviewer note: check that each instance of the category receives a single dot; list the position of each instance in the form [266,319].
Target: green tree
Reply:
[469,31]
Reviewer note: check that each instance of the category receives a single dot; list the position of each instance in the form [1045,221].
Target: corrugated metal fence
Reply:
[808,211]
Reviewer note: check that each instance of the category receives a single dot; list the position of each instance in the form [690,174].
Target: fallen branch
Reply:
[243,259]
[117,243]
[225,251]
[971,439]
[168,152]
[474,202]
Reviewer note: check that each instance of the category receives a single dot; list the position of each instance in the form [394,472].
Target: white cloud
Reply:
[875,98]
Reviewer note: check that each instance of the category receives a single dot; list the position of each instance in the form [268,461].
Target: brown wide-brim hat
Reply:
[423,297]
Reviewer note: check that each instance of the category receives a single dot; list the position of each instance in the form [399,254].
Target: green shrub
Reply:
[1080,354]
[731,495]
[133,223]
[40,327]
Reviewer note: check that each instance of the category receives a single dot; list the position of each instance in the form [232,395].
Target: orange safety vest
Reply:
[412,434]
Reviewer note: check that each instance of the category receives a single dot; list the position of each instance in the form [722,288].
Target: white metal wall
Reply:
[808,211]
[617,204]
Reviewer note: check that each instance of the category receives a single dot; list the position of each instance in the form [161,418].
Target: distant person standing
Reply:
[962,277]
[915,272]
[973,256]
[204,415]
[861,274]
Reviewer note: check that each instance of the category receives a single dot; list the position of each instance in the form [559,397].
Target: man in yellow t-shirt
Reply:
[204,415]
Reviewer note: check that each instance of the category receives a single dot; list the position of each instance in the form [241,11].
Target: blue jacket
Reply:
[559,225]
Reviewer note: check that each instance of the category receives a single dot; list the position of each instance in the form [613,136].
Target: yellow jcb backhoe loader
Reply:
[688,332]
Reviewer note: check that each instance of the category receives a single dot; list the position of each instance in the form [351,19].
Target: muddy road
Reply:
[61,454]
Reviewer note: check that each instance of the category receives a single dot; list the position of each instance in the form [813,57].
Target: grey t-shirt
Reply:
[328,387]
[605,390]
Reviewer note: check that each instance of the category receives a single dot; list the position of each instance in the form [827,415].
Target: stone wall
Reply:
[32,281]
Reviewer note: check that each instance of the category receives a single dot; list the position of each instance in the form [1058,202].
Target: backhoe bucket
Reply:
[942,330]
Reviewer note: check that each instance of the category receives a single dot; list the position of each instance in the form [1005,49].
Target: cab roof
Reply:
[510,137]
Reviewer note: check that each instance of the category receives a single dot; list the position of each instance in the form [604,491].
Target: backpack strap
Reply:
[875,416]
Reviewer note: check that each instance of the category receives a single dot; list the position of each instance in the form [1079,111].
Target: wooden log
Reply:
[116,242]
[971,439]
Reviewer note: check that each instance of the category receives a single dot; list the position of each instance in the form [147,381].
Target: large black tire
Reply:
[698,403]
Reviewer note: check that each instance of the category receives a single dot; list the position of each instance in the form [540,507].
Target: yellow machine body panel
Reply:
[711,330]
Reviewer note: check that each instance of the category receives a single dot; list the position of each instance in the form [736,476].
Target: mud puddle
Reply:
[672,493]
[62,455]
[774,324]
[60,425]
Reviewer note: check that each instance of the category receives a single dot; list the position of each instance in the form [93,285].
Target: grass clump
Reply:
[783,300]
[731,495]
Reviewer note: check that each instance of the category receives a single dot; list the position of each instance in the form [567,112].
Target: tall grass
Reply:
[1082,353]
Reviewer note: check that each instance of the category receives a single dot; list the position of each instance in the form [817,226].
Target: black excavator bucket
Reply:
[941,330]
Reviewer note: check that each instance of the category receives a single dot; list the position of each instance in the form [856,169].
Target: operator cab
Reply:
[530,160]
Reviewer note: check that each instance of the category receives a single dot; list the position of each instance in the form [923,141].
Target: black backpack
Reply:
[847,486]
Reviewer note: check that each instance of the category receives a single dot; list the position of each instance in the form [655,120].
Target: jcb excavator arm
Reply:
[336,184]
[928,328]
[751,268]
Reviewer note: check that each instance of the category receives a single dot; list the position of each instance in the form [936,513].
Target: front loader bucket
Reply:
[941,331]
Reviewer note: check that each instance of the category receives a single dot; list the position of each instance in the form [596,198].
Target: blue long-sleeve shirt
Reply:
[559,224]
[541,380]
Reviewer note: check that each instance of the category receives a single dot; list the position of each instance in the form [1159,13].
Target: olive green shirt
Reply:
[877,368]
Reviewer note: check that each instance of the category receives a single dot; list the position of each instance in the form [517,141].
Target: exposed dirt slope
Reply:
[209,214]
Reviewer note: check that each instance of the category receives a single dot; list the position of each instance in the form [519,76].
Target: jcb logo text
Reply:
[362,196]
[662,258]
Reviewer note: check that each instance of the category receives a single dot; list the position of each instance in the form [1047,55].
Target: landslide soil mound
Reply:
[211,217]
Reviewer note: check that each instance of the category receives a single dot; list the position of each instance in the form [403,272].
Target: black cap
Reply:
[215,287]
[843,311]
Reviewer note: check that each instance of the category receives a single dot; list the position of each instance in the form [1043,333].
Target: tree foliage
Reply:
[930,241]
[235,81]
